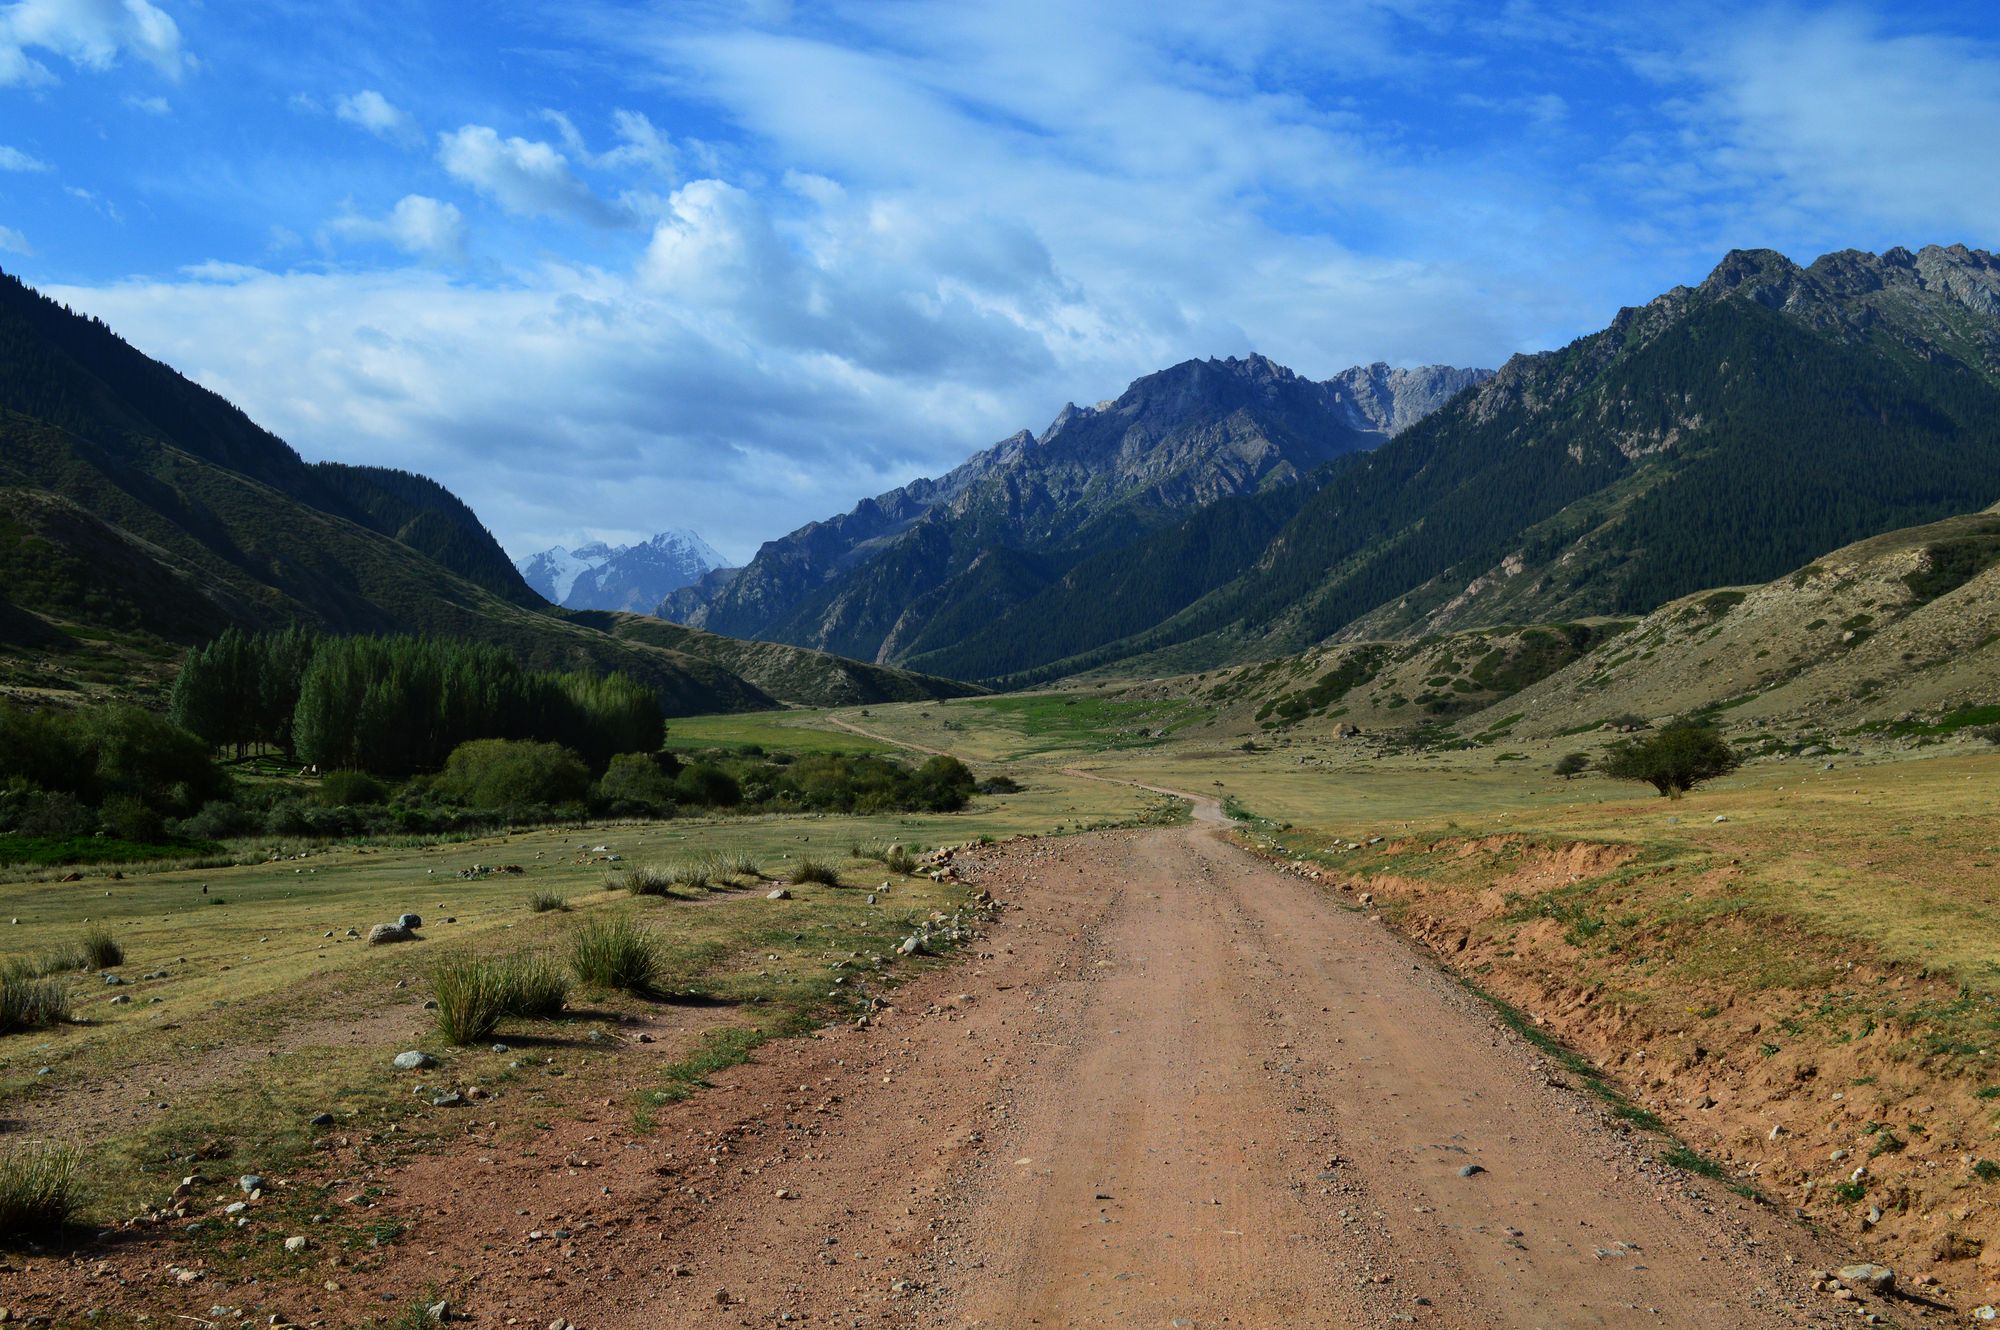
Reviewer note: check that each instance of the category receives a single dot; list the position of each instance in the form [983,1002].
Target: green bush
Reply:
[614,953]
[815,870]
[126,817]
[100,950]
[41,1186]
[501,773]
[1673,761]
[545,902]
[28,1001]
[1572,764]
[471,997]
[709,785]
[637,779]
[645,880]
[354,789]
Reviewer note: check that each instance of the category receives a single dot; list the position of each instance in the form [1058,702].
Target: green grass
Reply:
[41,1186]
[1048,723]
[30,1002]
[548,902]
[471,998]
[615,954]
[815,870]
[782,731]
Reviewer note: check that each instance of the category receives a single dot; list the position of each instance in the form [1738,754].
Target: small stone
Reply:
[411,921]
[449,1099]
[501,1048]
[1874,1278]
[296,1243]
[439,1311]
[250,1182]
[235,1208]
[779,894]
[414,1060]
[1471,1170]
[383,934]
[320,1120]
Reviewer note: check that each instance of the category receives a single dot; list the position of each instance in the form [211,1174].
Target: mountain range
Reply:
[918,569]
[597,576]
[1719,434]
[141,513]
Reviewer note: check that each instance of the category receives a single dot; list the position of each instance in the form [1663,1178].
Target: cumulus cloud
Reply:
[90,34]
[13,159]
[417,225]
[524,176]
[373,112]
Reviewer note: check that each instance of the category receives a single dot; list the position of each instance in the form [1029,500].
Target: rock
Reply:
[297,1243]
[382,934]
[1471,1170]
[912,945]
[439,1311]
[871,898]
[501,1048]
[121,999]
[449,1099]
[414,1061]
[1986,1313]
[409,921]
[1719,817]
[250,1182]
[1874,1278]
[320,1120]
[780,894]
[112,981]
[235,1208]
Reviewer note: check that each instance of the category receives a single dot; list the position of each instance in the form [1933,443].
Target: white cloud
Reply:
[523,176]
[14,242]
[154,105]
[91,34]
[373,112]
[13,159]
[417,225]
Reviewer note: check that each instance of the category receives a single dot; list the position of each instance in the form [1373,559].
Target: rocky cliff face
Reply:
[1173,441]
[637,577]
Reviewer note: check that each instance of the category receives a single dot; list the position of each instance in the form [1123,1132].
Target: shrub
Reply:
[499,773]
[29,1001]
[705,783]
[943,784]
[544,902]
[1673,761]
[532,986]
[815,870]
[41,1184]
[742,865]
[471,993]
[1000,785]
[899,860]
[1572,764]
[614,953]
[698,874]
[639,780]
[352,789]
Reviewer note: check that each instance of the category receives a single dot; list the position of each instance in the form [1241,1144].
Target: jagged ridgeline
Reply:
[395,706]
[1721,434]
[141,513]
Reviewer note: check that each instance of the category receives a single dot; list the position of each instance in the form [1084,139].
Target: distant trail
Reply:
[1206,807]
[885,738]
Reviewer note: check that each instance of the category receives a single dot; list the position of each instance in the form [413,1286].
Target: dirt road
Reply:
[1173,1088]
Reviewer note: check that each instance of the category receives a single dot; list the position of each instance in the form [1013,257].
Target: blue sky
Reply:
[606,269]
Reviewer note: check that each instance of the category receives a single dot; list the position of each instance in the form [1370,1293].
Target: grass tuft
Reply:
[532,987]
[41,1186]
[30,1001]
[644,880]
[815,870]
[614,953]
[545,902]
[471,997]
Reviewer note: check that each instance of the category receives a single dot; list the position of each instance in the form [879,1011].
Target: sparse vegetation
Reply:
[815,870]
[471,998]
[614,953]
[30,1001]
[545,902]
[41,1187]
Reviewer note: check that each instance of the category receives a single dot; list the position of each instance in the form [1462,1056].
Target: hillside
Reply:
[140,513]
[1721,434]
[913,570]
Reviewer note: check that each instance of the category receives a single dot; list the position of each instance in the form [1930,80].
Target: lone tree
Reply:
[1673,761]
[1570,765]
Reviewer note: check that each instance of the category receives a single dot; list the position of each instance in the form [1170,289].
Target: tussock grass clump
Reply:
[471,993]
[546,902]
[614,953]
[29,1001]
[742,865]
[695,874]
[533,987]
[646,881]
[41,1186]
[100,950]
[815,870]
[899,860]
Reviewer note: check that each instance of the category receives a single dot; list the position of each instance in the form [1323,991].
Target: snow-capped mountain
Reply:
[638,577]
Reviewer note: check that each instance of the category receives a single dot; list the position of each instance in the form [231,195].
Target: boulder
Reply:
[409,921]
[1874,1278]
[414,1061]
[382,934]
